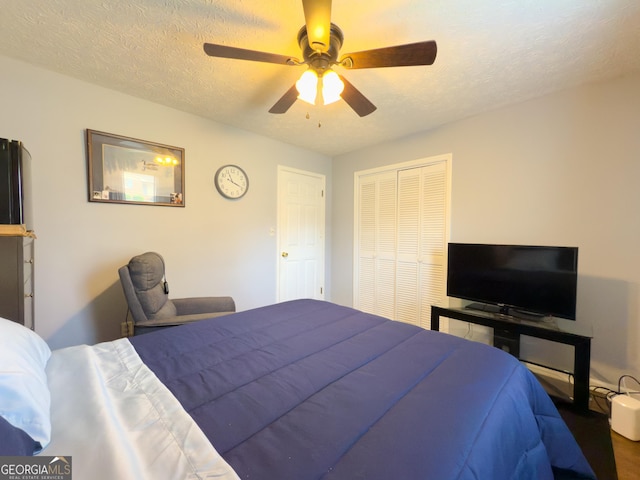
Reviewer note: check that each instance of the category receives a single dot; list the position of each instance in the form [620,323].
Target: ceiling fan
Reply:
[320,42]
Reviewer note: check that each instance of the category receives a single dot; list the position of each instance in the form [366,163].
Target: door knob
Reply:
[285,254]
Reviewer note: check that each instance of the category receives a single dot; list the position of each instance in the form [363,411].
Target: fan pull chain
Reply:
[307,116]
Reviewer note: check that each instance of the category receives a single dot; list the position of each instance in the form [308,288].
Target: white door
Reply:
[422,242]
[376,244]
[301,234]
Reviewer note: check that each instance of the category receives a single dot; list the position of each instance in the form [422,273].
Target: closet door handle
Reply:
[285,254]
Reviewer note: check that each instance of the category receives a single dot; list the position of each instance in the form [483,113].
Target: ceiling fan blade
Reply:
[356,100]
[421,53]
[224,51]
[285,102]
[317,15]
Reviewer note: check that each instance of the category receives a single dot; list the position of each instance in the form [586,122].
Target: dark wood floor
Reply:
[626,452]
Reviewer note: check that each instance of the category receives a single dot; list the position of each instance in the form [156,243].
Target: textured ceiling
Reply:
[490,53]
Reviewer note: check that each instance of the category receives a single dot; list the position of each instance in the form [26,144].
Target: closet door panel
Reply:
[386,245]
[433,240]
[421,242]
[376,256]
[366,246]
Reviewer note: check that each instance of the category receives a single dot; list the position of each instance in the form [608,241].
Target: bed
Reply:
[297,390]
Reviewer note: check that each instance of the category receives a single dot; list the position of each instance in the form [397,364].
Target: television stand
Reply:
[506,336]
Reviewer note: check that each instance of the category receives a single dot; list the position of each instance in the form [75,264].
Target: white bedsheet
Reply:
[118,421]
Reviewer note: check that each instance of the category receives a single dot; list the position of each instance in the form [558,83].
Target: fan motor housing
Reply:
[318,60]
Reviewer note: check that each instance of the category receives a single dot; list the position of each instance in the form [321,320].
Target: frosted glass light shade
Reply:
[307,87]
[332,87]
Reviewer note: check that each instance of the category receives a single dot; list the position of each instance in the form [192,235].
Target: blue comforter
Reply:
[312,390]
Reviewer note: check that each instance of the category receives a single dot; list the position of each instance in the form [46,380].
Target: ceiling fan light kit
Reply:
[332,87]
[320,42]
[307,87]
[328,87]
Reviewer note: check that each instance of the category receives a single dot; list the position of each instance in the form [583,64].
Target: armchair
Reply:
[147,295]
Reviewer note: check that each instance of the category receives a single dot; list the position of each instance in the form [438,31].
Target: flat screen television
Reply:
[15,184]
[516,279]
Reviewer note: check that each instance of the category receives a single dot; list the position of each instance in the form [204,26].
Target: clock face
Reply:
[231,181]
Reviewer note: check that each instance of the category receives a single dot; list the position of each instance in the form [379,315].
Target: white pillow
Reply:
[24,395]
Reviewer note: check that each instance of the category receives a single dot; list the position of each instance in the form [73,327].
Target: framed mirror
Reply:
[128,170]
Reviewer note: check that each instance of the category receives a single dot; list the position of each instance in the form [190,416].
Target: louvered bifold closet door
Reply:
[375,289]
[407,288]
[433,241]
[421,242]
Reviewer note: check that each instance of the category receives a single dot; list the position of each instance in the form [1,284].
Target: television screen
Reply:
[15,184]
[530,279]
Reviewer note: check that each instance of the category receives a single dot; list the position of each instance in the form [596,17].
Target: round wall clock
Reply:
[231,181]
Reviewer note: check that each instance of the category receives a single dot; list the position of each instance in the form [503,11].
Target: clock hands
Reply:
[231,180]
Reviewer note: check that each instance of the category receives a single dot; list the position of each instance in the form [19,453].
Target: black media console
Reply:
[506,335]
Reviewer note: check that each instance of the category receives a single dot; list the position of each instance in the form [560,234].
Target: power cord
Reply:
[620,384]
[608,393]
[469,333]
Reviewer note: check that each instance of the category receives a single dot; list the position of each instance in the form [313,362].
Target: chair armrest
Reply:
[204,305]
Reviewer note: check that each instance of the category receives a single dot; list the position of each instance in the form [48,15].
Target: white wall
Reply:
[561,170]
[212,246]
